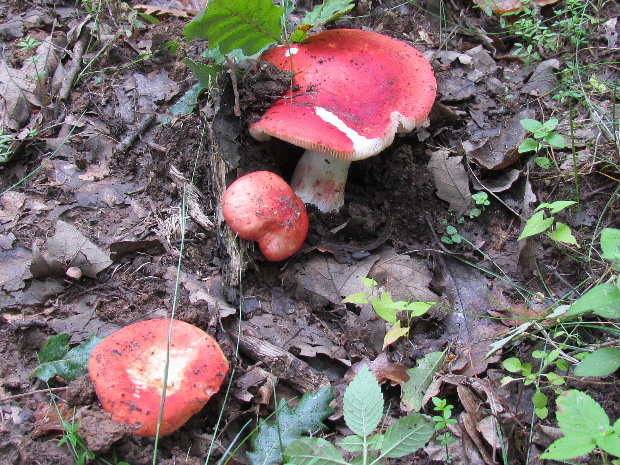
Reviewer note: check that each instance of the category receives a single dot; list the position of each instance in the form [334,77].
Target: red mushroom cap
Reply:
[262,207]
[127,369]
[356,89]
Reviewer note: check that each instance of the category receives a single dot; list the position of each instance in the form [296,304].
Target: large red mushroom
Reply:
[128,367]
[262,207]
[352,91]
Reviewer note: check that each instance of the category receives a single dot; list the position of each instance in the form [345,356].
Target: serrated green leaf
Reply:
[610,244]
[406,435]
[601,362]
[359,298]
[563,233]
[247,25]
[363,403]
[604,300]
[536,225]
[420,378]
[323,13]
[578,414]
[313,451]
[307,418]
[568,448]
[355,443]
[531,125]
[68,365]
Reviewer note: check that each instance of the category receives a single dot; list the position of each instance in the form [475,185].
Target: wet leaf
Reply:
[56,358]
[288,426]
[601,362]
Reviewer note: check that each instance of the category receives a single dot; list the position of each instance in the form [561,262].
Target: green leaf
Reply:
[420,378]
[248,25]
[563,233]
[406,435]
[307,418]
[579,414]
[539,399]
[206,74]
[330,10]
[513,365]
[312,451]
[555,140]
[610,243]
[601,362]
[536,225]
[359,298]
[363,403]
[355,443]
[56,359]
[528,145]
[559,205]
[604,300]
[543,162]
[369,282]
[531,125]
[385,307]
[610,443]
[189,101]
[569,447]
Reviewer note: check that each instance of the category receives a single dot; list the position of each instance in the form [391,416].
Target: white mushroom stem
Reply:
[319,179]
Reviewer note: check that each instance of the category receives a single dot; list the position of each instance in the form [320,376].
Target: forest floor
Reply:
[96,159]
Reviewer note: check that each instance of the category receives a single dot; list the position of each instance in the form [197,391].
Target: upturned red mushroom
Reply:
[262,207]
[352,91]
[127,369]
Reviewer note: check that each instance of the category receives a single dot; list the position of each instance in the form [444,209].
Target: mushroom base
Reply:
[320,179]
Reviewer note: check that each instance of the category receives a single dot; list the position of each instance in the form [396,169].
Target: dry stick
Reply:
[134,133]
[280,363]
[17,396]
[76,63]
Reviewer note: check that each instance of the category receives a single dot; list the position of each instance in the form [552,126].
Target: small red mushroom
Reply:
[127,369]
[262,207]
[352,91]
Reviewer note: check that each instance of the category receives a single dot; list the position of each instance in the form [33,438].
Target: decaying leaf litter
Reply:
[95,182]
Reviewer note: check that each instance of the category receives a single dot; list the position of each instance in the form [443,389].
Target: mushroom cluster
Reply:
[262,207]
[352,91]
[128,368]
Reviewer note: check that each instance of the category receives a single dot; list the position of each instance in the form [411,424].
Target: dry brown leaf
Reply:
[384,370]
[451,180]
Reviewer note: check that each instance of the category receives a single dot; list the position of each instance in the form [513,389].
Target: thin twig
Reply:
[17,396]
[134,133]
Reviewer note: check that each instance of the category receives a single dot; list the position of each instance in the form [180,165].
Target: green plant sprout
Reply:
[453,237]
[540,223]
[586,426]
[29,43]
[6,141]
[363,411]
[387,309]
[543,135]
[529,376]
[442,421]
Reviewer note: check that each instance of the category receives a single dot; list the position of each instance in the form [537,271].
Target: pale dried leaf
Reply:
[451,180]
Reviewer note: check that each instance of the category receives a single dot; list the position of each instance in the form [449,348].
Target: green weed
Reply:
[363,412]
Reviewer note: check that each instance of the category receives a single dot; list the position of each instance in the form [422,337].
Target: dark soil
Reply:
[132,213]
